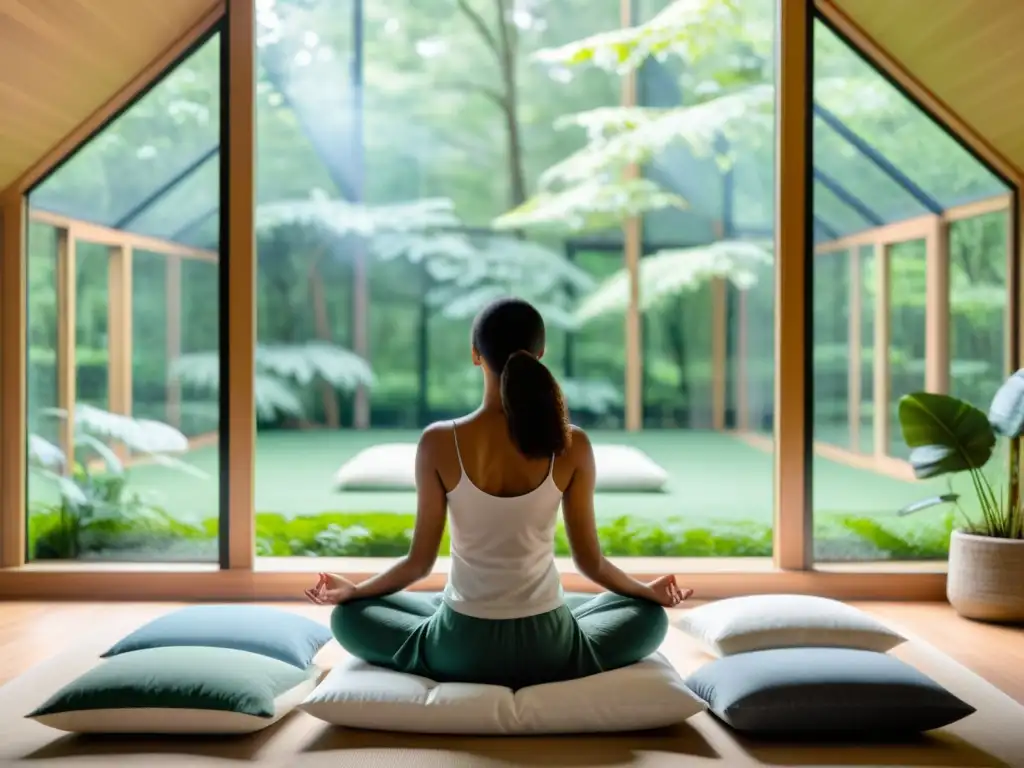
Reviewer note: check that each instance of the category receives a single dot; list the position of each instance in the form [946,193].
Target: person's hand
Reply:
[331,589]
[666,592]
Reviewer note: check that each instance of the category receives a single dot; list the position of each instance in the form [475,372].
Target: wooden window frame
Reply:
[248,577]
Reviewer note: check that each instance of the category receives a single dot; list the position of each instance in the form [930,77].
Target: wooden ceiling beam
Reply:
[885,61]
[116,103]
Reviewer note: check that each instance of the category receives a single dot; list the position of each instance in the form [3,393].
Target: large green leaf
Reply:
[1006,414]
[596,204]
[341,218]
[945,434]
[672,272]
[691,29]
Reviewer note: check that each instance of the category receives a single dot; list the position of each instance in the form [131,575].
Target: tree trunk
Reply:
[675,332]
[332,413]
[504,45]
[507,56]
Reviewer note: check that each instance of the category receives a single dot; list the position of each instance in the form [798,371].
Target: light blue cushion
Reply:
[278,634]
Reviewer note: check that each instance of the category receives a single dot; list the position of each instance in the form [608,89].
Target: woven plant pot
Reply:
[986,577]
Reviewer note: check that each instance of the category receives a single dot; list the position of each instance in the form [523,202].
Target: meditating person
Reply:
[500,474]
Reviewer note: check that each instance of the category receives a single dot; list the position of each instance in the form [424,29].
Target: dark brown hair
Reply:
[509,335]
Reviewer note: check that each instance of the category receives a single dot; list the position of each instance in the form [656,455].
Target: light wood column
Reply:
[240,154]
[855,343]
[742,364]
[632,242]
[173,339]
[13,293]
[66,362]
[883,333]
[793,514]
[719,350]
[937,307]
[1014,337]
[119,334]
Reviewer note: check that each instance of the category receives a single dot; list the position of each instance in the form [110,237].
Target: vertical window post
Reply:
[793,540]
[632,241]
[238,284]
[12,380]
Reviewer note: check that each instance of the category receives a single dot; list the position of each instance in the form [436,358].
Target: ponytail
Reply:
[538,421]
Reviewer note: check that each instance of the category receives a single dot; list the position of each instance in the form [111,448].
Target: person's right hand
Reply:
[331,589]
[666,592]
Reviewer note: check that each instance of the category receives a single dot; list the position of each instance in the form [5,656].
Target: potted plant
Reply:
[947,436]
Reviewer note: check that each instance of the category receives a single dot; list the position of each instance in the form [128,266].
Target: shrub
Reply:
[382,534]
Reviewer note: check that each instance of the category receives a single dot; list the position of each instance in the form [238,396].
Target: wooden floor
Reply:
[32,632]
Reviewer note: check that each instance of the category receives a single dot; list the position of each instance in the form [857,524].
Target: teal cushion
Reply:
[216,679]
[824,691]
[281,635]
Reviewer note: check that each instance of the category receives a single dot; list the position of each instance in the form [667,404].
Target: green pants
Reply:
[420,635]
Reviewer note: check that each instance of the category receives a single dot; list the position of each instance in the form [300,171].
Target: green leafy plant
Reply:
[383,534]
[282,371]
[949,436]
[463,268]
[93,495]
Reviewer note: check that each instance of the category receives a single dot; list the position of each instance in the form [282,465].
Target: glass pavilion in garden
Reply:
[412,163]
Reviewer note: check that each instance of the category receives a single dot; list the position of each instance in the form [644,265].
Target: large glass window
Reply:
[977,305]
[123,458]
[890,186]
[707,276]
[386,220]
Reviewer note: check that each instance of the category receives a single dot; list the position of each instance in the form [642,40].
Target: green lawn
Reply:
[714,477]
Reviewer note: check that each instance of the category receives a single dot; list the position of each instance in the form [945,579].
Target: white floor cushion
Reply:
[384,467]
[650,694]
[392,467]
[766,622]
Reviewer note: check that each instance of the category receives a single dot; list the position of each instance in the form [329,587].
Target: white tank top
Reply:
[503,550]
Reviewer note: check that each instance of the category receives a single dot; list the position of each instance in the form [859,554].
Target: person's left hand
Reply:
[331,589]
[665,591]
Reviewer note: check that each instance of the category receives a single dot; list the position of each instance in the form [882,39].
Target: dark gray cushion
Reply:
[281,635]
[824,691]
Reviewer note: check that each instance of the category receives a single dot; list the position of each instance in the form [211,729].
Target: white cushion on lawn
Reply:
[764,622]
[392,466]
[650,694]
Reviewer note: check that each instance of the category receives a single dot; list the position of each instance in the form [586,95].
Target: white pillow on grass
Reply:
[392,467]
[650,694]
[765,622]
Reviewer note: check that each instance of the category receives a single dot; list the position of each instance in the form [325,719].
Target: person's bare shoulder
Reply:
[436,436]
[580,449]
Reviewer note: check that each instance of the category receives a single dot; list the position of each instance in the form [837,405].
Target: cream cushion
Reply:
[765,622]
[649,694]
[392,467]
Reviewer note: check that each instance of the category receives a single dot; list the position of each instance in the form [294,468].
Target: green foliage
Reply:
[692,29]
[380,534]
[281,373]
[1006,413]
[948,435]
[672,272]
[94,499]
[848,537]
[945,434]
[715,41]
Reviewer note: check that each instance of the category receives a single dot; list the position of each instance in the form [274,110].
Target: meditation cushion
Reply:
[278,634]
[824,691]
[646,695]
[763,622]
[392,467]
[190,690]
